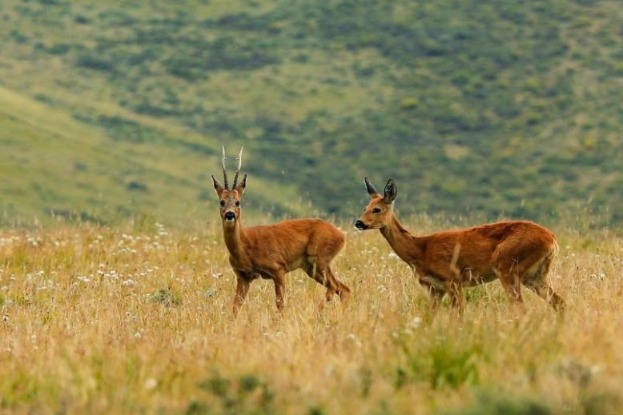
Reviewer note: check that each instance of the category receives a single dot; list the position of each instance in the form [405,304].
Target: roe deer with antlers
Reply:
[271,251]
[516,252]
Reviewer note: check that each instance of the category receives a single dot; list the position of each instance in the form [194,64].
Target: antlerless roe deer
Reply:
[516,252]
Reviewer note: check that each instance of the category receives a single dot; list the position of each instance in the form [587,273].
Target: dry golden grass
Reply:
[100,321]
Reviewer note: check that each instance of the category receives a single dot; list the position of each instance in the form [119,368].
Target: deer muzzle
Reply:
[360,225]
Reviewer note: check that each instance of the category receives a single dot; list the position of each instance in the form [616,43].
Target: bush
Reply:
[91,60]
[504,405]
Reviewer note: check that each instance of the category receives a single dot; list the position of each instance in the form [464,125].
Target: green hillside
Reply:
[496,108]
[56,168]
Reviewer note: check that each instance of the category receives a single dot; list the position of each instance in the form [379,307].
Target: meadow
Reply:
[137,319]
[112,117]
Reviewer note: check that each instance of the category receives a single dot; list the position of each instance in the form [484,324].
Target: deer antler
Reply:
[238,169]
[225,171]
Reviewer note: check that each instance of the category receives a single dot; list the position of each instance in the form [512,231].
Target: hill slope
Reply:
[507,109]
[54,167]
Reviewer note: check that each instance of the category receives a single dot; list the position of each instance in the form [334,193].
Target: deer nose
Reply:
[229,216]
[360,225]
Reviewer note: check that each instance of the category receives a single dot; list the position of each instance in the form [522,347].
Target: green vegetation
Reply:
[496,108]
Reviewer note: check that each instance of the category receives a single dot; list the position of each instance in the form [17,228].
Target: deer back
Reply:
[476,250]
[292,239]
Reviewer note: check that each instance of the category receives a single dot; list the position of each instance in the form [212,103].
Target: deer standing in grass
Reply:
[516,252]
[271,251]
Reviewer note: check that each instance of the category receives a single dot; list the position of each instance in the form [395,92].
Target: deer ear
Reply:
[390,191]
[370,188]
[242,185]
[217,186]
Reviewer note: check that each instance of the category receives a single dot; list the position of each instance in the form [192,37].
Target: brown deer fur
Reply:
[516,252]
[271,251]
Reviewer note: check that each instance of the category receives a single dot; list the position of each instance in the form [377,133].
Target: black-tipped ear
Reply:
[370,188]
[217,186]
[242,185]
[390,191]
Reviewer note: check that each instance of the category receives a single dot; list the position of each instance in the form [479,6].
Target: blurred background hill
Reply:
[110,110]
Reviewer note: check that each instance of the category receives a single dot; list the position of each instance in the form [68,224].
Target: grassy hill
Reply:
[56,168]
[501,109]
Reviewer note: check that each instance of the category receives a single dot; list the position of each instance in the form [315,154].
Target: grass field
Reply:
[137,319]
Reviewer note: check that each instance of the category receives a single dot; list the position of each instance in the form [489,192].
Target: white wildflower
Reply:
[415,323]
[150,384]
[353,338]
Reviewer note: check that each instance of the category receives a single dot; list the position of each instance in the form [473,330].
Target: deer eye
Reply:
[376,210]
[237,203]
[222,203]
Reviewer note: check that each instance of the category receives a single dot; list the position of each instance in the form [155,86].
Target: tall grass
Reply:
[138,320]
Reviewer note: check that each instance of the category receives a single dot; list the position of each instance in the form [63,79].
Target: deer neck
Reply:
[405,245]
[235,240]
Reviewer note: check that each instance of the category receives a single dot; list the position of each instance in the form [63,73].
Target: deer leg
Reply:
[280,282]
[546,292]
[511,284]
[337,287]
[242,288]
[320,253]
[455,291]
[435,297]
[331,286]
[322,277]
[435,287]
[342,291]
[326,278]
[508,270]
[537,281]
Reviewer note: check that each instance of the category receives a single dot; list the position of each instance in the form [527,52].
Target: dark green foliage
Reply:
[167,297]
[442,364]
[92,60]
[225,53]
[496,405]
[501,403]
[247,394]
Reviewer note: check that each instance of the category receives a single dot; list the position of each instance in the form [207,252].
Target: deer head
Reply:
[230,198]
[379,211]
